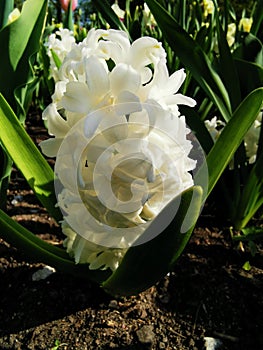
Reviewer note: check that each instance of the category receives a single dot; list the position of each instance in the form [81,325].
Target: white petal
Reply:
[175,81]
[51,146]
[56,124]
[91,123]
[119,45]
[144,51]
[179,99]
[124,78]
[60,89]
[96,77]
[76,98]
[127,103]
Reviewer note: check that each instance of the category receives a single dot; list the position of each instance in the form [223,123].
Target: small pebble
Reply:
[17,199]
[113,304]
[146,335]
[43,273]
[212,343]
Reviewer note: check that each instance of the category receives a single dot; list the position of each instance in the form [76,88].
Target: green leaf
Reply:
[6,7]
[41,251]
[144,264]
[246,266]
[250,76]
[56,59]
[27,157]
[69,21]
[19,42]
[252,233]
[251,49]
[231,136]
[227,66]
[193,57]
[5,172]
[257,18]
[252,196]
[198,127]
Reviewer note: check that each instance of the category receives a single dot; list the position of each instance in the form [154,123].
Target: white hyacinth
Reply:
[119,135]
[60,43]
[251,139]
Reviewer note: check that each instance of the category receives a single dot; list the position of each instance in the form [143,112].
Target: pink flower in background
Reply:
[65,4]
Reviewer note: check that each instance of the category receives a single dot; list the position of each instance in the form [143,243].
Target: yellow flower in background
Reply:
[208,7]
[231,34]
[245,24]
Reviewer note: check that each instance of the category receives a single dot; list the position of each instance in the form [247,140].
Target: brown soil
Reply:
[208,294]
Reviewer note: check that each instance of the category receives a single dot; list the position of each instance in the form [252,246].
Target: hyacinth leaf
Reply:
[227,66]
[250,76]
[6,7]
[109,15]
[232,136]
[5,171]
[251,49]
[69,21]
[41,251]
[19,42]
[192,57]
[56,59]
[257,17]
[252,195]
[27,158]
[252,233]
[145,264]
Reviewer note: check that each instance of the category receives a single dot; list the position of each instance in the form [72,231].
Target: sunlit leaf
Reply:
[6,7]
[41,251]
[19,42]
[27,158]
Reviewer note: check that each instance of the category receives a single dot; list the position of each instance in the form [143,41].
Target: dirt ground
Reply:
[208,297]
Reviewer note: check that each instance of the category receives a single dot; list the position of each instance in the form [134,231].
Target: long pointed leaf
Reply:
[41,251]
[252,195]
[27,157]
[257,18]
[19,42]
[227,66]
[6,7]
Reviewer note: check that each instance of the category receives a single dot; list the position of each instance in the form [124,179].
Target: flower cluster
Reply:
[119,136]
[60,44]
[251,139]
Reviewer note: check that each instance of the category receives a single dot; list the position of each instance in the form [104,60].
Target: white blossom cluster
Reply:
[115,109]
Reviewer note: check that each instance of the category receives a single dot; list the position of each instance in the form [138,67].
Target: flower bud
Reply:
[65,4]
